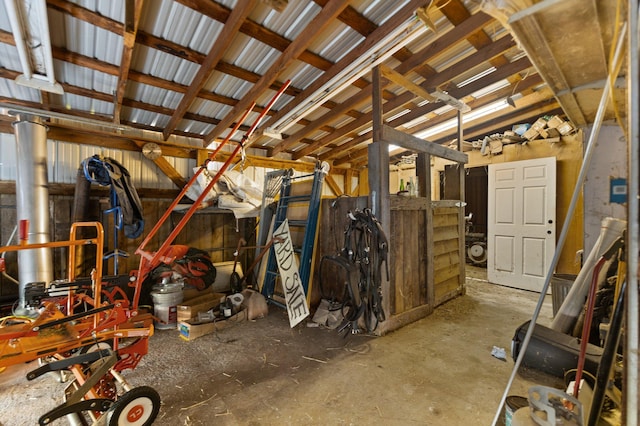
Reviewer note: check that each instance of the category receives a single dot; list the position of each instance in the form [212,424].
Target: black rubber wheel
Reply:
[235,282]
[138,407]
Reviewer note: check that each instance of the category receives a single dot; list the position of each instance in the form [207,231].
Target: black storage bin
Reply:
[553,352]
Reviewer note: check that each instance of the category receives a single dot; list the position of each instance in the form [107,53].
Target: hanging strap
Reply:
[106,171]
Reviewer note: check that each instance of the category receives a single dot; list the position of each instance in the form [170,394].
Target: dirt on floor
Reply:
[436,371]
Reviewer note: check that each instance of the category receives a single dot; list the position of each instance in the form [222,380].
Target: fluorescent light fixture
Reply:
[486,110]
[451,101]
[375,55]
[490,88]
[38,52]
[271,133]
[477,76]
[445,125]
[470,116]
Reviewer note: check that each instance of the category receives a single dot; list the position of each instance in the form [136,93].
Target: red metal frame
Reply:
[150,260]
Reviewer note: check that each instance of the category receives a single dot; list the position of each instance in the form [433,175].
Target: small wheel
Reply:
[138,407]
[234,282]
[477,252]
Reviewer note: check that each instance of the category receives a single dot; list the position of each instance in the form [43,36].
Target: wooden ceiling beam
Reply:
[476,103]
[220,13]
[158,43]
[341,151]
[292,52]
[404,98]
[224,40]
[365,27]
[445,41]
[497,48]
[456,13]
[373,38]
[358,157]
[133,9]
[356,101]
[345,147]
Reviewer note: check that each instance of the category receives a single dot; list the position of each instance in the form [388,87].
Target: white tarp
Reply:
[233,191]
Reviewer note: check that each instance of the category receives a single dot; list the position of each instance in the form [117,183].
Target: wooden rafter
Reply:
[344,153]
[474,104]
[338,134]
[502,120]
[372,38]
[132,15]
[299,45]
[445,75]
[355,102]
[456,12]
[231,26]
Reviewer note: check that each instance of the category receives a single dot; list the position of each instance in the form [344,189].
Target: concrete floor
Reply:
[437,371]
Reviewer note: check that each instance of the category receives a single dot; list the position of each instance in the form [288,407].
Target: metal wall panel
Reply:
[7,156]
[65,158]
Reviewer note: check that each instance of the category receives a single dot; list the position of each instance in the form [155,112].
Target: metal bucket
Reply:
[165,306]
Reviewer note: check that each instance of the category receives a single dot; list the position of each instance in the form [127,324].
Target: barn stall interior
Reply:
[255,211]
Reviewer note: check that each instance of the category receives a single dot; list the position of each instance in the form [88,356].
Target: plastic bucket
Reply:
[165,308]
[512,404]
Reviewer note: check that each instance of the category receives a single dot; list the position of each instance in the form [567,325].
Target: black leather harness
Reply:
[365,250]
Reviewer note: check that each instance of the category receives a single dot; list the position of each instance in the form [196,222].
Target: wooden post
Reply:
[378,178]
[423,170]
[461,224]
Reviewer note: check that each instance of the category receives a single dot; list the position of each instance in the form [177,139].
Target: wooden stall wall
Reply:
[448,279]
[333,223]
[407,254]
[409,289]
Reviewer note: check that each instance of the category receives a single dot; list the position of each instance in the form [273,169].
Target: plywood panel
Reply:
[447,258]
[333,222]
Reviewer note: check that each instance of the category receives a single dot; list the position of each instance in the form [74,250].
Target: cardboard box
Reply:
[190,308]
[191,329]
[553,133]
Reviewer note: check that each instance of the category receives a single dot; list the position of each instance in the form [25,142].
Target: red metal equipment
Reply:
[95,339]
[69,322]
[150,260]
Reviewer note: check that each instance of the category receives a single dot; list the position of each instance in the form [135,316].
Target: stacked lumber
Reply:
[546,128]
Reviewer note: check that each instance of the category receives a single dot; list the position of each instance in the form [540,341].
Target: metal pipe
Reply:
[32,203]
[604,100]
[632,334]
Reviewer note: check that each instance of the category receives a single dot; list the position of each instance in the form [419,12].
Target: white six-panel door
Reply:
[521,222]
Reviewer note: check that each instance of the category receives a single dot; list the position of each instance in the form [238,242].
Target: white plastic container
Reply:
[165,306]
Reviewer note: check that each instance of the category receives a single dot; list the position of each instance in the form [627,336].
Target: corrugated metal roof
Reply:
[88,59]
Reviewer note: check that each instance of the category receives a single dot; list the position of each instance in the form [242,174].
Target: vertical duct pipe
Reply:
[32,203]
